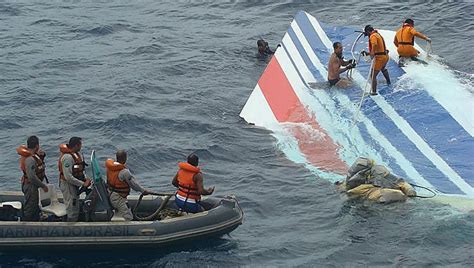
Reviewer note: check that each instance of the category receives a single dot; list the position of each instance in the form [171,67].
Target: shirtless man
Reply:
[334,67]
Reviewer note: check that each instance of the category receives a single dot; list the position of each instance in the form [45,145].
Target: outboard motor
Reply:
[97,206]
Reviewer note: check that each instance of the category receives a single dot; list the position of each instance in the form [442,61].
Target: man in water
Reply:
[189,181]
[379,53]
[263,48]
[334,67]
[120,180]
[405,40]
[33,168]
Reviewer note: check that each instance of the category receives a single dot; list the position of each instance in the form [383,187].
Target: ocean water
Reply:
[164,79]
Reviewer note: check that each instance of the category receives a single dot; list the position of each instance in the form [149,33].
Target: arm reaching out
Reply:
[200,185]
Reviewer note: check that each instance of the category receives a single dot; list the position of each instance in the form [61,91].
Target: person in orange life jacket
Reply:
[405,40]
[119,181]
[71,176]
[33,168]
[189,182]
[379,53]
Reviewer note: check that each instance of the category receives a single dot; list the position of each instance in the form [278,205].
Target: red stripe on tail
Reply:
[313,141]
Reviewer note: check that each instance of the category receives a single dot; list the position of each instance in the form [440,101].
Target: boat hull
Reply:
[224,216]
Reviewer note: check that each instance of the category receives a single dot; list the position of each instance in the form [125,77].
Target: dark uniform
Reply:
[32,166]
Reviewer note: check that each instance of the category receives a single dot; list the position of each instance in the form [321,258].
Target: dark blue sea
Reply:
[162,79]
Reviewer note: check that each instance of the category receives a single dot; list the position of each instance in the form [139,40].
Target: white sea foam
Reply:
[452,93]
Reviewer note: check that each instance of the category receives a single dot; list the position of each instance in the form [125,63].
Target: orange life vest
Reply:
[381,48]
[186,185]
[77,168]
[40,168]
[405,41]
[115,184]
[404,35]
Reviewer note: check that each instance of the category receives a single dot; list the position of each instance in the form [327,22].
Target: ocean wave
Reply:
[104,30]
[9,10]
[9,124]
[66,64]
[48,22]
[149,49]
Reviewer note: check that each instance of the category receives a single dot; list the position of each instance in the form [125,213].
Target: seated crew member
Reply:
[189,181]
[379,53]
[334,67]
[263,48]
[405,40]
[33,168]
[71,176]
[119,181]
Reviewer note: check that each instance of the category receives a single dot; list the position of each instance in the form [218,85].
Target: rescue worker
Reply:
[379,53]
[334,67]
[405,40]
[189,182]
[71,176]
[119,181]
[32,166]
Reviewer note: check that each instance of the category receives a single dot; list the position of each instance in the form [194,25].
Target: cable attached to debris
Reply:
[349,73]
[363,172]
[364,93]
[415,186]
[426,188]
[428,49]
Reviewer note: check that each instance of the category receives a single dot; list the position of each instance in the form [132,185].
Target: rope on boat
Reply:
[153,216]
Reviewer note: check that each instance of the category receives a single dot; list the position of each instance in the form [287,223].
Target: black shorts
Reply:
[332,82]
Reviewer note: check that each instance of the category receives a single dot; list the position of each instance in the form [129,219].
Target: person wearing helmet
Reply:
[379,53]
